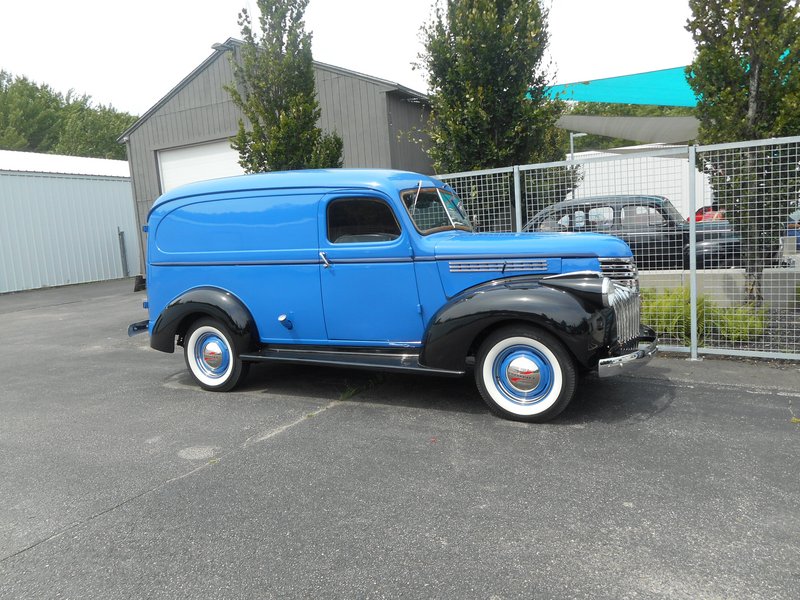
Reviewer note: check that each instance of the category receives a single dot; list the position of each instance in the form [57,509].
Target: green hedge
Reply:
[669,313]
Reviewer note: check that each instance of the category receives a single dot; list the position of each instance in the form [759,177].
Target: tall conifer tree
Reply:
[275,90]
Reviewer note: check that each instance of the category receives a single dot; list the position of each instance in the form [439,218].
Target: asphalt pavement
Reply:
[121,479]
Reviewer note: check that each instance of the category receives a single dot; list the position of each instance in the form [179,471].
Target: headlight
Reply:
[607,290]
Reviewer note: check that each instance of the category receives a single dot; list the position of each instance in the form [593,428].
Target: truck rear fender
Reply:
[201,302]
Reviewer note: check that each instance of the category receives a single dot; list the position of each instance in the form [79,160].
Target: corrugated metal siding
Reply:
[407,139]
[356,110]
[62,229]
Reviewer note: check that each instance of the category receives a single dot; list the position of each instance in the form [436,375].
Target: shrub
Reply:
[739,323]
[669,313]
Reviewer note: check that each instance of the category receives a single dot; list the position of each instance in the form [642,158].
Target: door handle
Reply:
[325,260]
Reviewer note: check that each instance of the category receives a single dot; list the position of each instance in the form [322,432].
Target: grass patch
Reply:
[351,390]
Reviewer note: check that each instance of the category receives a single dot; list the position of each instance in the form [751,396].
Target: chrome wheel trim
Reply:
[530,397]
[210,357]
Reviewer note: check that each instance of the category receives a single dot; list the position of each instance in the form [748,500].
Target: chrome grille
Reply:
[626,304]
[621,270]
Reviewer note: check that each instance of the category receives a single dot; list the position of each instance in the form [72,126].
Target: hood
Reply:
[467,259]
[462,244]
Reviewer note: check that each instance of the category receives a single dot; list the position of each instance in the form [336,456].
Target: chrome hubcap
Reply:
[212,355]
[523,374]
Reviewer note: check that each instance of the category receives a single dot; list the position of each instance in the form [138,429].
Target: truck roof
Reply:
[313,178]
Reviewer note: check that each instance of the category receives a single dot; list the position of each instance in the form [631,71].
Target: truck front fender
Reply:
[200,302]
[565,308]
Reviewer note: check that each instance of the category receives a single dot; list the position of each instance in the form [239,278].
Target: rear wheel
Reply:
[212,357]
[525,374]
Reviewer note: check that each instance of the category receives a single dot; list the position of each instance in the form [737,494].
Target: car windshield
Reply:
[434,209]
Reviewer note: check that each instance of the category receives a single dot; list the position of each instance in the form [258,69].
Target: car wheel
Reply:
[525,374]
[212,357]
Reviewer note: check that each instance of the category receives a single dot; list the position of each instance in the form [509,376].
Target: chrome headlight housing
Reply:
[607,290]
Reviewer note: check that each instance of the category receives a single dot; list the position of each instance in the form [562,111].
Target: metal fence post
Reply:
[123,255]
[693,343]
[517,199]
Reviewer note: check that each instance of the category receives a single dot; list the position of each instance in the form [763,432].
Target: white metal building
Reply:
[658,169]
[64,220]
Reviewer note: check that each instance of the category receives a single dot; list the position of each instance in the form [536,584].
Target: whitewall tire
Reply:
[525,374]
[211,356]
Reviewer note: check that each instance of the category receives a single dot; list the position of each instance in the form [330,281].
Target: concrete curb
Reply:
[757,374]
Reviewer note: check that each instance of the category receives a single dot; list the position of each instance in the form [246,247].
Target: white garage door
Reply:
[178,166]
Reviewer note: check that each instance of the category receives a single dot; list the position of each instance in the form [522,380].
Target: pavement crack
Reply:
[90,518]
[253,439]
[39,307]
[260,437]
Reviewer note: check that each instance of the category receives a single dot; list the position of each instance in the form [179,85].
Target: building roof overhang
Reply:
[231,44]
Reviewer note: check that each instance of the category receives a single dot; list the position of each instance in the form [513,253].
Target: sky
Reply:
[131,53]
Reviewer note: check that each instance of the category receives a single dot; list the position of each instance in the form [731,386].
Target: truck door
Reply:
[368,282]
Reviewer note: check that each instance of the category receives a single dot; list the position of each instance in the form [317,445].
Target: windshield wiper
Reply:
[416,196]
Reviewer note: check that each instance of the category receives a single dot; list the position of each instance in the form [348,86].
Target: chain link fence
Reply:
[488,197]
[713,229]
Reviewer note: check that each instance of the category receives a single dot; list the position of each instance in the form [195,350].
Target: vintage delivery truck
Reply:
[382,270]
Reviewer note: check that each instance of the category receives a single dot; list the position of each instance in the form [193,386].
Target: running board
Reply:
[408,363]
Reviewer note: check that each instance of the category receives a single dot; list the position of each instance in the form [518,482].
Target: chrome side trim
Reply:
[504,266]
[574,275]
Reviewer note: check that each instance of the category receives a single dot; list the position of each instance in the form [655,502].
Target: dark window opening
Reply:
[361,220]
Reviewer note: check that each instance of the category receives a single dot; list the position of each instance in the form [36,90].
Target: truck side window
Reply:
[361,220]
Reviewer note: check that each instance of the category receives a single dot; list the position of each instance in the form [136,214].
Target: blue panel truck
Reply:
[383,270]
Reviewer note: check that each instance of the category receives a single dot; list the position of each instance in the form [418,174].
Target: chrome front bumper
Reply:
[648,344]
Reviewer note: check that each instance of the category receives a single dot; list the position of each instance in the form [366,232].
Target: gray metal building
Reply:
[185,136]
[63,220]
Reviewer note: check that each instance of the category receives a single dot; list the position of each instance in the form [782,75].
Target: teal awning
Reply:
[667,87]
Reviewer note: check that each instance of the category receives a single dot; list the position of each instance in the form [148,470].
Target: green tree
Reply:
[34,118]
[275,91]
[746,70]
[91,131]
[484,66]
[746,74]
[29,114]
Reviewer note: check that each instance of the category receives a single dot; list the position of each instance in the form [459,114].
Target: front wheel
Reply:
[212,357]
[525,374]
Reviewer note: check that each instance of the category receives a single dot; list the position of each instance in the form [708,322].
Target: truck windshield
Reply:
[434,209]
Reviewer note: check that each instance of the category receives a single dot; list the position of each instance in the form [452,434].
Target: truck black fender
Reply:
[569,307]
[204,302]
